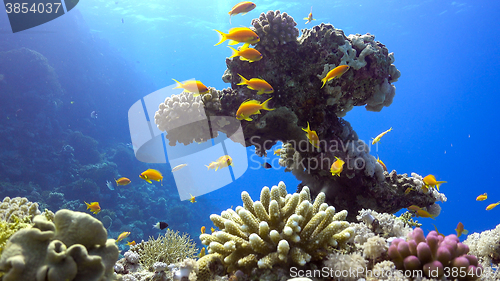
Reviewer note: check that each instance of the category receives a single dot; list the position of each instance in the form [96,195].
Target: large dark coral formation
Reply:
[294,67]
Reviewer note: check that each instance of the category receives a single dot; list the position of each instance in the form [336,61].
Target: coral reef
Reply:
[486,247]
[275,29]
[15,214]
[280,229]
[74,247]
[435,255]
[168,248]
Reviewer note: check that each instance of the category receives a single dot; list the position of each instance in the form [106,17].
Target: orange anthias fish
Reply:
[257,84]
[202,229]
[430,181]
[414,208]
[312,136]
[377,138]
[310,16]
[335,73]
[251,107]
[241,8]
[192,199]
[212,229]
[238,35]
[460,229]
[122,236]
[491,206]
[131,243]
[224,161]
[94,207]
[246,54]
[192,86]
[122,181]
[337,167]
[381,163]
[482,197]
[202,253]
[424,214]
[151,174]
[277,151]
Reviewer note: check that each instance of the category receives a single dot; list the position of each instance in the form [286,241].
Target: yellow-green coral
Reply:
[281,228]
[169,248]
[9,228]
[407,218]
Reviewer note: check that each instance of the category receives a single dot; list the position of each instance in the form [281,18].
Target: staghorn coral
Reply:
[434,255]
[280,229]
[74,247]
[168,248]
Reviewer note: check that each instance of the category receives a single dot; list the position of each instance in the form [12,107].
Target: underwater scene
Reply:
[264,140]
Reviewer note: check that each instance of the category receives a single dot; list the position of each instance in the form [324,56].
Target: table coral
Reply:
[73,247]
[280,229]
[435,255]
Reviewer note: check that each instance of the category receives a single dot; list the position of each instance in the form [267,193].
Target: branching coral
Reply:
[168,248]
[280,229]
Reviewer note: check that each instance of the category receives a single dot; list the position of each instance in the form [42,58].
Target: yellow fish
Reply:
[151,174]
[491,206]
[251,107]
[202,252]
[212,165]
[131,243]
[460,229]
[238,35]
[381,163]
[224,161]
[192,199]
[122,181]
[334,73]
[312,136]
[377,138]
[310,17]
[277,151]
[257,84]
[94,207]
[482,197]
[212,229]
[424,214]
[122,236]
[408,190]
[337,167]
[430,181]
[246,54]
[241,8]
[195,87]
[414,208]
[202,229]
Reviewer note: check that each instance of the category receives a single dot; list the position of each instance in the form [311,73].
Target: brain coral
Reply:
[280,229]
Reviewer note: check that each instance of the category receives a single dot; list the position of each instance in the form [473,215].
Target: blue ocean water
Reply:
[109,54]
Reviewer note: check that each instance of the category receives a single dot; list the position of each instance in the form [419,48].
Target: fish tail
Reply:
[265,105]
[222,37]
[179,84]
[324,82]
[243,80]
[235,52]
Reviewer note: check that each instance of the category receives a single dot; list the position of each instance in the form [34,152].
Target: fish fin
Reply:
[265,105]
[245,46]
[248,119]
[149,181]
[232,42]
[235,53]
[179,86]
[306,19]
[260,92]
[230,17]
[222,37]
[243,80]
